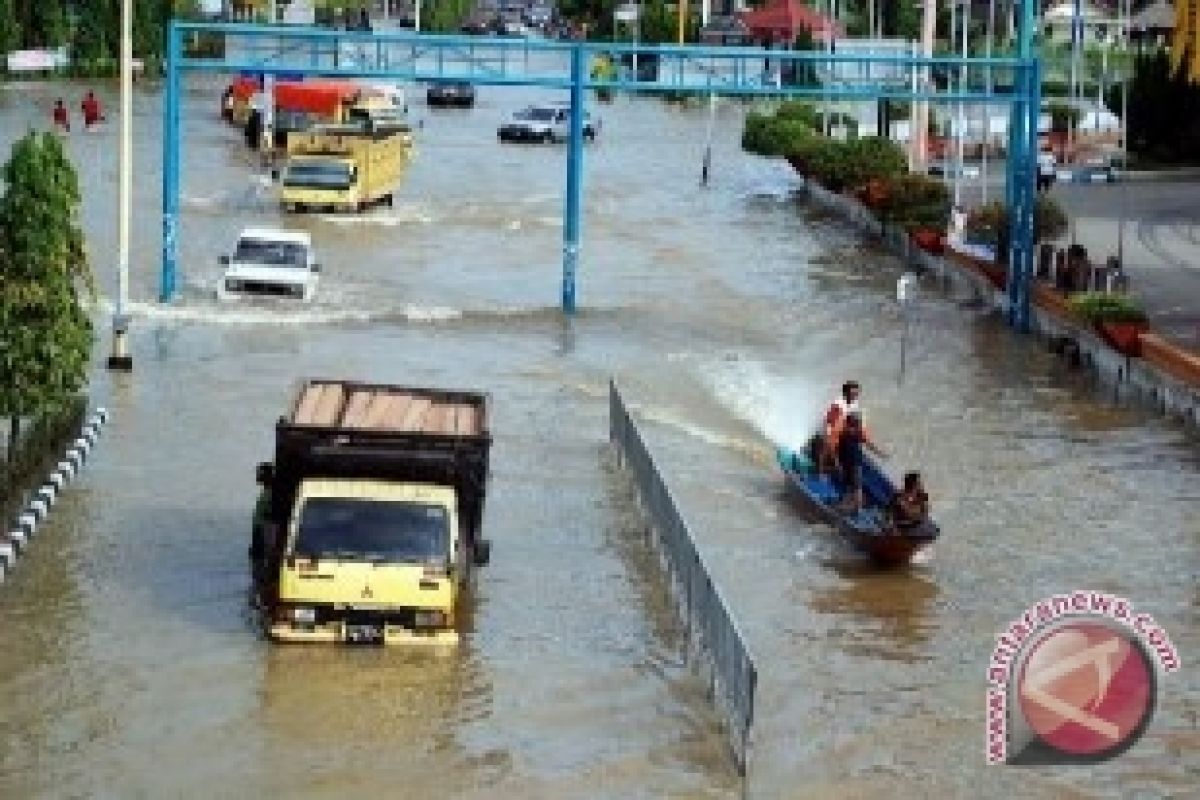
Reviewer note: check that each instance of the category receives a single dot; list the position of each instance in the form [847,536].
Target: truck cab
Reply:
[345,167]
[367,529]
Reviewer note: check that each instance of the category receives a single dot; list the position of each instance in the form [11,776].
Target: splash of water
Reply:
[784,410]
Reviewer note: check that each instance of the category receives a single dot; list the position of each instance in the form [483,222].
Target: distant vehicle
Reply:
[268,262]
[544,123]
[450,94]
[1100,168]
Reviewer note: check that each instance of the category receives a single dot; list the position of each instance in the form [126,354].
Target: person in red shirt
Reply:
[61,117]
[91,110]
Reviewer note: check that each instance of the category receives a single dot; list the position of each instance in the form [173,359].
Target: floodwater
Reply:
[131,667]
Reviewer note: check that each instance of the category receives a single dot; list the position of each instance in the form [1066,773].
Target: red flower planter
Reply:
[930,240]
[1125,337]
[996,274]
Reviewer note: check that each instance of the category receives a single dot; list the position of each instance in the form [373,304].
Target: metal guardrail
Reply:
[714,641]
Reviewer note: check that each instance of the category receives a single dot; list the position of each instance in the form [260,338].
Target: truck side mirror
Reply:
[264,473]
[482,553]
[223,261]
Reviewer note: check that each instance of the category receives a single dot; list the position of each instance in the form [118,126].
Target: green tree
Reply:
[10,28]
[45,334]
[43,22]
[96,33]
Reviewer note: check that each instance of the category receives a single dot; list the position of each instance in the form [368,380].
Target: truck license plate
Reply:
[364,634]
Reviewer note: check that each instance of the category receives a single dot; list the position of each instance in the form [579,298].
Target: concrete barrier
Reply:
[1166,380]
[15,542]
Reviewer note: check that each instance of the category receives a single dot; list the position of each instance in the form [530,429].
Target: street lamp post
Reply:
[958,139]
[120,358]
[1123,178]
[268,111]
[987,109]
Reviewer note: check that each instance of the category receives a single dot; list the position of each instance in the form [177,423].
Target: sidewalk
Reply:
[1161,245]
[1161,239]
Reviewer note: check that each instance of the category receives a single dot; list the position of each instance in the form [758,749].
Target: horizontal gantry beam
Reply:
[896,74]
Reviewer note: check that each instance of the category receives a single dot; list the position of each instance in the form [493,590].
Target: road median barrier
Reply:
[715,644]
[15,541]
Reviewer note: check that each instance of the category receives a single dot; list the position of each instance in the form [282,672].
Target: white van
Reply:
[268,262]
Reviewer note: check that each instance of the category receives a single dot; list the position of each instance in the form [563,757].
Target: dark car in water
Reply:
[450,94]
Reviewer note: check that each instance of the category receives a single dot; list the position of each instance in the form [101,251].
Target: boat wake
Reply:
[677,421]
[782,409]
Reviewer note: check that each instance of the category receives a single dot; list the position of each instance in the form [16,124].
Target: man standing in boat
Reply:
[835,419]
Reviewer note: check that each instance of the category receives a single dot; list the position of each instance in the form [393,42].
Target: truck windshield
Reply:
[373,530]
[319,175]
[273,254]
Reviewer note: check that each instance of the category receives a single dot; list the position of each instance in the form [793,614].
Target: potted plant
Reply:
[1118,319]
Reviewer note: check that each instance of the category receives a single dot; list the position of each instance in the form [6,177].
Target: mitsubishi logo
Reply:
[366,592]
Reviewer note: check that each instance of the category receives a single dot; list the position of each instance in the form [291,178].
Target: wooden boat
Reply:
[871,530]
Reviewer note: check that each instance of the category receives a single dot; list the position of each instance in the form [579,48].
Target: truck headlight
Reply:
[429,619]
[305,616]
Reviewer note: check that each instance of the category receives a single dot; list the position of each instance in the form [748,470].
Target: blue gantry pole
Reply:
[170,187]
[574,203]
[1024,142]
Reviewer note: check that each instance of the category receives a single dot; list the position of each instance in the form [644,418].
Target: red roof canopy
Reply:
[317,97]
[782,20]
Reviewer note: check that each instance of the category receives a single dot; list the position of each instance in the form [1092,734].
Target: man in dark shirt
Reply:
[910,506]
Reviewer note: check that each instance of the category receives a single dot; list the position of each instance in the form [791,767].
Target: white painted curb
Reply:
[15,542]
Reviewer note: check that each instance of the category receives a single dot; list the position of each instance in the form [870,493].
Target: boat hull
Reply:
[871,532]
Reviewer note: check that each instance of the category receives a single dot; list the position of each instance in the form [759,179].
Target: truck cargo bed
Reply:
[350,406]
[348,430]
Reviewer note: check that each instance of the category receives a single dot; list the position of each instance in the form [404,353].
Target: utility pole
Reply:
[920,136]
[959,176]
[1123,178]
[120,358]
[268,111]
[417,15]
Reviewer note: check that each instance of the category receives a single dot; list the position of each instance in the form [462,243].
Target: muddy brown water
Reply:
[131,667]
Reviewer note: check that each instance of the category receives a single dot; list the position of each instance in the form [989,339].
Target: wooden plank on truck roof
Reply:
[434,418]
[442,418]
[330,405]
[356,410]
[375,409]
[464,420]
[389,405]
[398,411]
[307,403]
[414,417]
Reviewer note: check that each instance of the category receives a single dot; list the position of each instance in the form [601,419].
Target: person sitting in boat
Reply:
[910,506]
[852,437]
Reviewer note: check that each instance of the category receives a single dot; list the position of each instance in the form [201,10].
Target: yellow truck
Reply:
[344,167]
[368,525]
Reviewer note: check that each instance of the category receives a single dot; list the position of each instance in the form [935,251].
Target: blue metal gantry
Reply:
[499,61]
